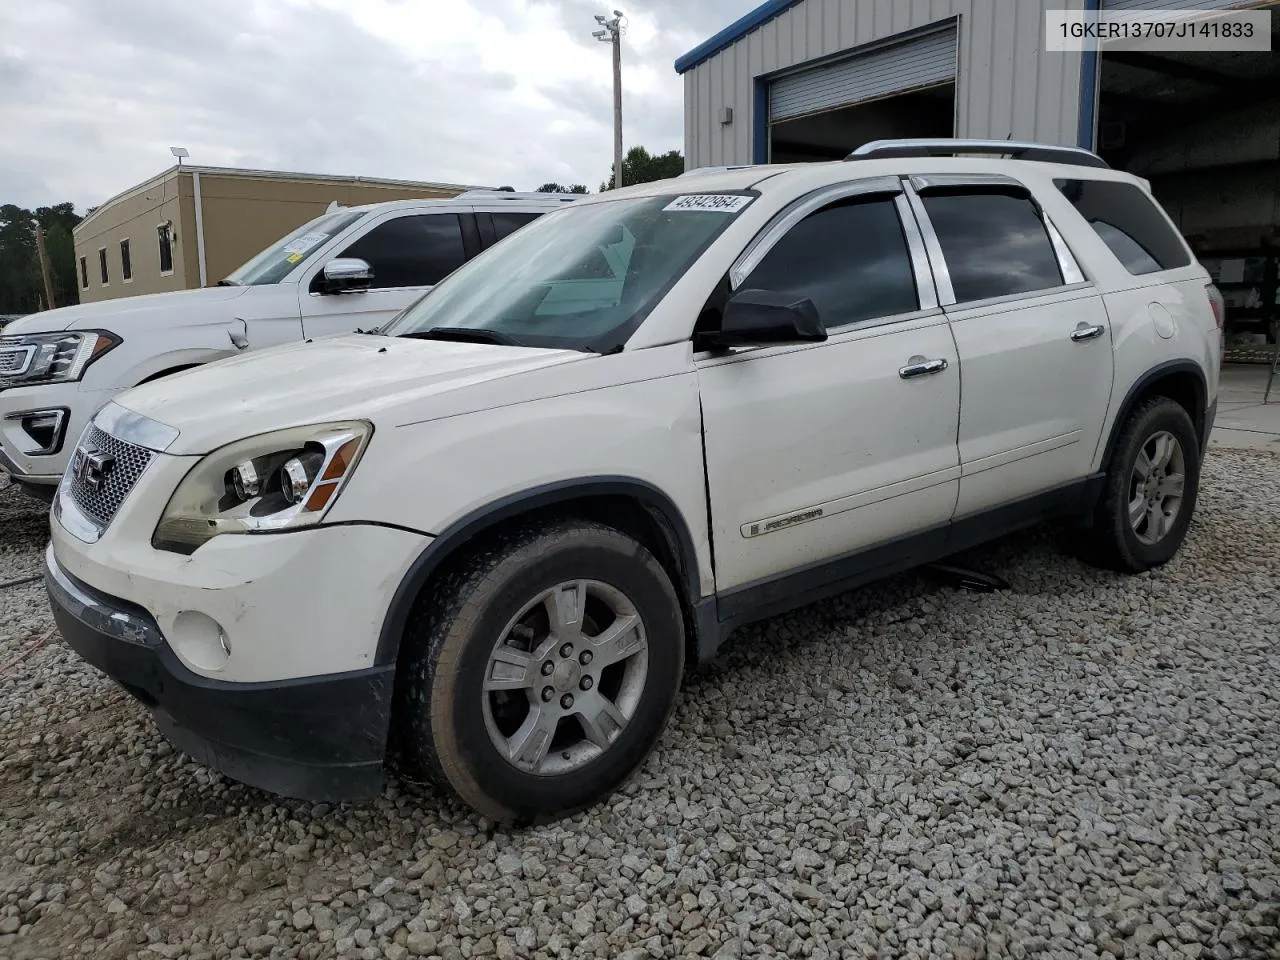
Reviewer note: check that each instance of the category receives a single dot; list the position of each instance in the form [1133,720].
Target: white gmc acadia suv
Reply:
[480,544]
[352,267]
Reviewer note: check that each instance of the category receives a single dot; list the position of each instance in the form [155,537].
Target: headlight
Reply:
[276,481]
[51,357]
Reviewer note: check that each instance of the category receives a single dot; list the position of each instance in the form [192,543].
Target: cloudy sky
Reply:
[491,92]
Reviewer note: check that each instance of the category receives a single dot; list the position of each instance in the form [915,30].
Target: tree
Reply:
[21,283]
[640,166]
[561,188]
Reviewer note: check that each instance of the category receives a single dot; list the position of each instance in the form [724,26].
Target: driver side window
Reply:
[849,258]
[412,251]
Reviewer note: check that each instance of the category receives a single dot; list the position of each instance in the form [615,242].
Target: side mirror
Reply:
[758,317]
[347,275]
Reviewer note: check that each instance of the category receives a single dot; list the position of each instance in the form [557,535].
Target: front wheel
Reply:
[1151,488]
[541,672]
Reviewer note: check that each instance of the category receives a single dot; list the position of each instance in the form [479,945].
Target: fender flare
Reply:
[672,522]
[1199,417]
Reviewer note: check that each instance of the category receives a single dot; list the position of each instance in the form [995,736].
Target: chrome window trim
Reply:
[926,292]
[1071,272]
[124,424]
[782,223]
[941,273]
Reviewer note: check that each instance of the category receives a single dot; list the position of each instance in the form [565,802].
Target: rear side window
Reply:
[508,222]
[850,259]
[995,244]
[414,251]
[1128,222]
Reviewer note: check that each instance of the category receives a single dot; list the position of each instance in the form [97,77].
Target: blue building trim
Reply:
[760,122]
[732,33]
[1088,85]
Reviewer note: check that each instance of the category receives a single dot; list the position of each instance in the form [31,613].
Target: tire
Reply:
[450,729]
[1116,542]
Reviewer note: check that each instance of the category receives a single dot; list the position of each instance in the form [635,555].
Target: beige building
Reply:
[190,226]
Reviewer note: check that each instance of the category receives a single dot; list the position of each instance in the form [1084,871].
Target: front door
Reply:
[409,253]
[1033,338]
[820,451]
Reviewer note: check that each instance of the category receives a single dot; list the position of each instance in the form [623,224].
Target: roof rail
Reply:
[513,195]
[1018,149]
[702,171]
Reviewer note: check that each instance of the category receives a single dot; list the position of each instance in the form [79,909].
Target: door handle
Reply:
[1086,332]
[921,367]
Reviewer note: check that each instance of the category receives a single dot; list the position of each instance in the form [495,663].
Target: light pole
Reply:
[612,33]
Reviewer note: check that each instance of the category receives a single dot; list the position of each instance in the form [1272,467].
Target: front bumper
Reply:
[19,454]
[312,738]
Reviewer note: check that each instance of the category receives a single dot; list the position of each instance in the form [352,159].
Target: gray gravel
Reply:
[1081,766]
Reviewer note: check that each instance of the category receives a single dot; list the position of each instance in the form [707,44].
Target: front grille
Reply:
[99,493]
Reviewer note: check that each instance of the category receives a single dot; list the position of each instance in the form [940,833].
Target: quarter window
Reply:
[1129,224]
[994,243]
[415,251]
[164,237]
[102,265]
[126,265]
[850,259]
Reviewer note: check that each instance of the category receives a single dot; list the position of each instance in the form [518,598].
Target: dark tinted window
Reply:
[164,237]
[411,251]
[850,259]
[994,243]
[509,222]
[84,274]
[126,264]
[1128,222]
[102,264]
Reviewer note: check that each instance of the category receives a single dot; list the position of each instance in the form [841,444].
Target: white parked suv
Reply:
[480,544]
[351,268]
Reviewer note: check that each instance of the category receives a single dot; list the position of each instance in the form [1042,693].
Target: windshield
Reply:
[582,278]
[275,263]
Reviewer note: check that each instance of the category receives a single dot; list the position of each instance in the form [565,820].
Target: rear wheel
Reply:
[1150,491]
[541,672]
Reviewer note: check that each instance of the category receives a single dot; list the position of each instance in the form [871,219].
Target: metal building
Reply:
[810,80]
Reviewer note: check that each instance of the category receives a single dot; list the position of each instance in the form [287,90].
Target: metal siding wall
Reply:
[1008,85]
[930,59]
[1132,5]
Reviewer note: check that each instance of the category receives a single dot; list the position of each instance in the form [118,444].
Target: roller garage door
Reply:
[923,61]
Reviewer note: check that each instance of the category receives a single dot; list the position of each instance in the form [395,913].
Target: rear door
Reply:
[409,251]
[816,452]
[1031,331]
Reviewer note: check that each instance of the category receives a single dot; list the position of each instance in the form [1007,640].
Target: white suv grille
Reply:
[103,472]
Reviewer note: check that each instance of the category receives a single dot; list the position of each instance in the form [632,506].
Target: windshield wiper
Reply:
[464,335]
[227,283]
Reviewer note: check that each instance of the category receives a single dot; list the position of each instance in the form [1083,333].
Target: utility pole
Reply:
[44,265]
[612,34]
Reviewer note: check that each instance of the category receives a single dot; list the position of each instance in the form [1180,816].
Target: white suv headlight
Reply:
[32,358]
[272,482]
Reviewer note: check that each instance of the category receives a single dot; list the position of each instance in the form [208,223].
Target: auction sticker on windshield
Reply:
[305,242]
[710,202]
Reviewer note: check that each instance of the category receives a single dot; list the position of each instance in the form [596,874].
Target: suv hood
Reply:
[90,316]
[348,377]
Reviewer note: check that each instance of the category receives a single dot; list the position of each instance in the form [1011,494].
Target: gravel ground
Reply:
[1080,766]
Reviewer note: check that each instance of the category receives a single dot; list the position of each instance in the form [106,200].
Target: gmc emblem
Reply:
[91,467]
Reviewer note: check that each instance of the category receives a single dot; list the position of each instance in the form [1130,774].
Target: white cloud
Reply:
[494,92]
